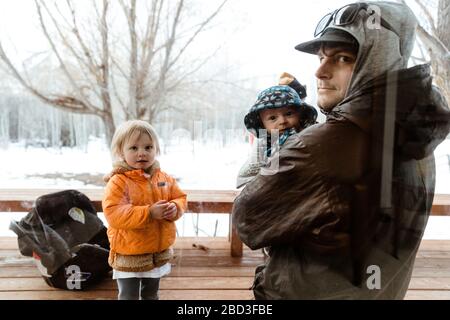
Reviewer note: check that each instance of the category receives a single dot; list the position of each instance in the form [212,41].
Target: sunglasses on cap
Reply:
[346,16]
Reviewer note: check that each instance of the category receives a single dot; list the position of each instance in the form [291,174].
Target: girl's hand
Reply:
[171,211]
[158,209]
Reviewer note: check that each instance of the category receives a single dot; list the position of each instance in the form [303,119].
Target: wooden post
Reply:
[236,243]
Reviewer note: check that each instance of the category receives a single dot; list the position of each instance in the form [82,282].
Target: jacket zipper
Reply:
[157,222]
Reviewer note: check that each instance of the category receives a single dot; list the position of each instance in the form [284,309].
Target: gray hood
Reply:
[380,50]
[381,74]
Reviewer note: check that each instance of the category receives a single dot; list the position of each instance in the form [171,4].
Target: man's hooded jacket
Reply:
[343,198]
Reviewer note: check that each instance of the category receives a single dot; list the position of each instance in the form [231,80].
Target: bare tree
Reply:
[121,59]
[434,35]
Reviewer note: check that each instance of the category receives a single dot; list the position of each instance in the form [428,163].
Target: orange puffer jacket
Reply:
[126,203]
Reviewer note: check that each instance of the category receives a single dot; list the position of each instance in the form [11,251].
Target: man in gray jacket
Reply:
[346,209]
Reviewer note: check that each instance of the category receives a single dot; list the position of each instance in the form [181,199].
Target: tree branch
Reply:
[148,46]
[62,64]
[67,103]
[104,67]
[130,14]
[433,43]
[81,62]
[429,17]
[199,29]
[169,44]
[117,95]
[192,71]
[76,31]
[65,42]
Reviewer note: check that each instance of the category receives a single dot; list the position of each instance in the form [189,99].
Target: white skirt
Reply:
[157,272]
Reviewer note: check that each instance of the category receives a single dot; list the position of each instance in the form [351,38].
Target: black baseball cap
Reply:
[330,35]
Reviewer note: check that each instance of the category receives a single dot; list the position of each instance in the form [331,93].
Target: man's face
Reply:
[333,75]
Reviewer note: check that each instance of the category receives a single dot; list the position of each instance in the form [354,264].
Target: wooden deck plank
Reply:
[196,274]
[218,255]
[112,295]
[31,271]
[441,205]
[435,245]
[180,243]
[211,274]
[186,261]
[438,283]
[167,283]
[179,253]
[19,272]
[223,243]
[427,295]
[215,258]
[59,295]
[189,271]
[196,283]
[183,295]
[430,272]
[433,254]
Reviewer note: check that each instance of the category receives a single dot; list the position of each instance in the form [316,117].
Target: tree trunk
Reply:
[443,63]
[110,128]
[443,23]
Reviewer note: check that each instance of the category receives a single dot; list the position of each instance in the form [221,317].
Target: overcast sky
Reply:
[258,36]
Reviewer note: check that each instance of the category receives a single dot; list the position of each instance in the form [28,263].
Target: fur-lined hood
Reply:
[120,167]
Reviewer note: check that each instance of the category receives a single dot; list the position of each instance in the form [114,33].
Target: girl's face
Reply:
[280,119]
[139,151]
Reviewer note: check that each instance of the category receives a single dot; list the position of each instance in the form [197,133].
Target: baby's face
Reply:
[280,119]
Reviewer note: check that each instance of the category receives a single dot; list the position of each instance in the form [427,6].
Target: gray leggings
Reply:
[135,288]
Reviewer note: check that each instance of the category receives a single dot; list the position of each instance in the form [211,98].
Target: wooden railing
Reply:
[441,205]
[199,201]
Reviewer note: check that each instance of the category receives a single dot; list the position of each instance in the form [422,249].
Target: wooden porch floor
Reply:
[211,274]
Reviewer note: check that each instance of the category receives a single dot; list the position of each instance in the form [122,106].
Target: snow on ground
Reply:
[442,155]
[195,165]
[18,164]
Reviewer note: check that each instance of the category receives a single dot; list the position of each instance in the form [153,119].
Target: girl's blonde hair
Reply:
[126,130]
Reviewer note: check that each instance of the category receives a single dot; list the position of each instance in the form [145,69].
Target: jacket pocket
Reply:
[160,190]
[115,239]
[112,237]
